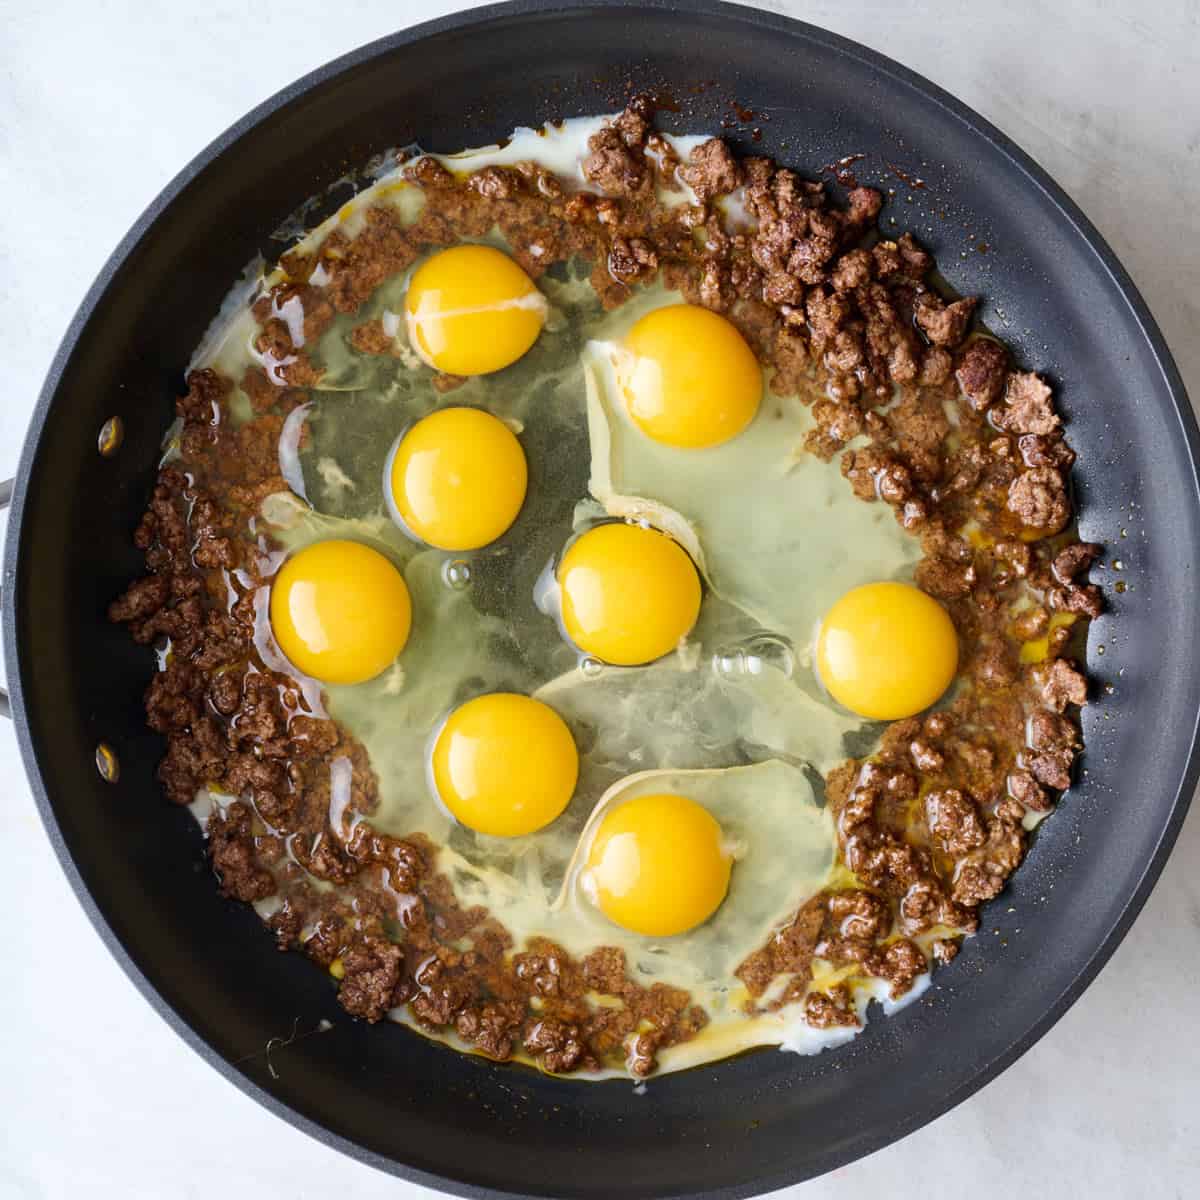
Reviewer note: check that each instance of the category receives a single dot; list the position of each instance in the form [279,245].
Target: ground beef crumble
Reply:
[928,828]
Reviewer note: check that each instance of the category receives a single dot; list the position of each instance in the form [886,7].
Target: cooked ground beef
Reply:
[1039,498]
[982,370]
[930,826]
[830,1009]
[1028,407]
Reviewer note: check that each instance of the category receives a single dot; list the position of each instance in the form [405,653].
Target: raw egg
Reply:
[688,377]
[458,478]
[471,310]
[657,865]
[887,650]
[340,611]
[505,764]
[629,594]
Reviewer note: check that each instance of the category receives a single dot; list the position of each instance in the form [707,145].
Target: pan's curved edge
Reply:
[1036,177]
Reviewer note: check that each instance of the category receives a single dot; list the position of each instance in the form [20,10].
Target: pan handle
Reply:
[6,492]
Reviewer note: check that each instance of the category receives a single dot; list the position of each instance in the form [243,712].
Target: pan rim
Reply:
[1032,175]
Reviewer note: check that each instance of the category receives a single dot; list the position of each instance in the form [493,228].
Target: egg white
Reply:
[776,531]
[734,717]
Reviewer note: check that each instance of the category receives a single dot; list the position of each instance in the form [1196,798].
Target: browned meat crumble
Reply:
[929,828]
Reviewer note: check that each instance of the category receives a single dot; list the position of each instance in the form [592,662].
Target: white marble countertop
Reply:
[100,104]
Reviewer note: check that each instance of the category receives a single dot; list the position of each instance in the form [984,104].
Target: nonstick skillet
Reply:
[380,1093]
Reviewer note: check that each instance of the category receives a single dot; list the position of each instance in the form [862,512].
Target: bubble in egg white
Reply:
[457,574]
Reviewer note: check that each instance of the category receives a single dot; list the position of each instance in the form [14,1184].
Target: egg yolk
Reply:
[471,310]
[657,866]
[458,478]
[505,764]
[629,594]
[886,651]
[340,611]
[688,377]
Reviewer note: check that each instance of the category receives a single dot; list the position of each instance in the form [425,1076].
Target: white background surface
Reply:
[100,104]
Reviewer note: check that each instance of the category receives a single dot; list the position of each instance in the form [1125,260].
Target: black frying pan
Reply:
[383,1094]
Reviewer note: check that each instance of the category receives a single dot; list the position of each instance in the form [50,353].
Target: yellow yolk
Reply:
[629,594]
[656,865]
[340,611]
[886,651]
[505,764]
[458,478]
[688,377]
[471,310]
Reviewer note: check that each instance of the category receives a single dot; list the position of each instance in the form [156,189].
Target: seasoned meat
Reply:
[981,372]
[921,416]
[943,324]
[1039,498]
[1028,407]
[711,170]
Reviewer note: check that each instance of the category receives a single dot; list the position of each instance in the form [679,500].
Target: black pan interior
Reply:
[1051,288]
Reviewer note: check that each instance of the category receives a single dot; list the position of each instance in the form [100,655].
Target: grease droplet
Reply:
[112,434]
[107,763]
